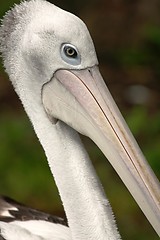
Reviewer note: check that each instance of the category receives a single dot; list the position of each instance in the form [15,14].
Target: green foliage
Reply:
[146,53]
[146,128]
[24,170]
[6,5]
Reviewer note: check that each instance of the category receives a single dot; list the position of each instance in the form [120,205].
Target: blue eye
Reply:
[70,54]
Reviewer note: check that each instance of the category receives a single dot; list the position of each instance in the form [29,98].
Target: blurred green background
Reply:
[126,34]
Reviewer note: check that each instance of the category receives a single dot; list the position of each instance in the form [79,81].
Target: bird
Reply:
[11,211]
[51,61]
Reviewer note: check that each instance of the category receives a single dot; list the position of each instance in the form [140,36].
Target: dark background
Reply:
[127,39]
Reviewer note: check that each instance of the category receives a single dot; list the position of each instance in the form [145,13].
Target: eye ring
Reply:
[70,54]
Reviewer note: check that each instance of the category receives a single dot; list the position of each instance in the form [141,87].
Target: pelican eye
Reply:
[70,54]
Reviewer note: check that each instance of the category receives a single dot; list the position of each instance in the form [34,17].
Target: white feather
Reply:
[31,52]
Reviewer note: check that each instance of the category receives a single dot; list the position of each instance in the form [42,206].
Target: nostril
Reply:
[90,71]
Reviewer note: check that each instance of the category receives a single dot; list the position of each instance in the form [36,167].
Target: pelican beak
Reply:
[82,100]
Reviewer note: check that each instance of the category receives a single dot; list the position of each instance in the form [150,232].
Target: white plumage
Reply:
[51,61]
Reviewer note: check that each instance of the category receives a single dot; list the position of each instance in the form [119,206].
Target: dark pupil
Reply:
[70,52]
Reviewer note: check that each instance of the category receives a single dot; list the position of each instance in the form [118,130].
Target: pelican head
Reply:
[61,80]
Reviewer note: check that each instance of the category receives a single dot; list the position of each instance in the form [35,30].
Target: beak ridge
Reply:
[89,108]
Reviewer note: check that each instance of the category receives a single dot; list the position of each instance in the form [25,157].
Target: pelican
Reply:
[51,61]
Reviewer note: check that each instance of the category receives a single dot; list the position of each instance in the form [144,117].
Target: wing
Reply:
[20,221]
[11,210]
